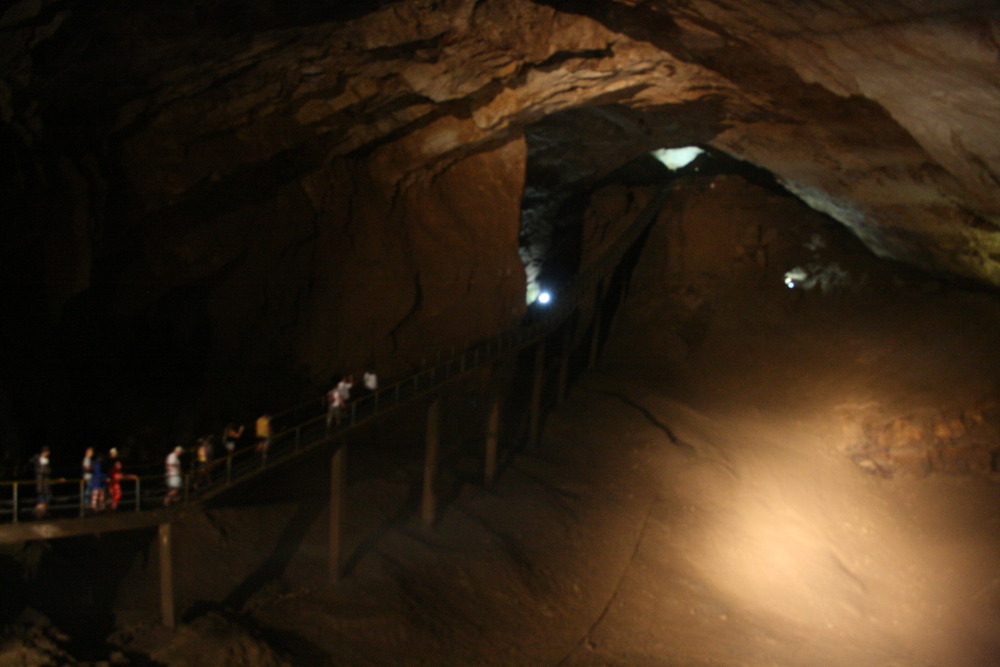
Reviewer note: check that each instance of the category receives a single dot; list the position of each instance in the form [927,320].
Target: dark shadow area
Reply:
[74,583]
[285,548]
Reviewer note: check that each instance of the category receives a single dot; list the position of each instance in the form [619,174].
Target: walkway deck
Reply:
[303,427]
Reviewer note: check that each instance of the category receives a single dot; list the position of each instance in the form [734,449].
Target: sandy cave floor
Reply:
[693,503]
[694,506]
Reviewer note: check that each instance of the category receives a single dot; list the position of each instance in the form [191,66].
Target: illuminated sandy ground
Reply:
[689,506]
[766,544]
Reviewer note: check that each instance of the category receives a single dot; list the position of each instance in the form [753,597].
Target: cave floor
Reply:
[696,505]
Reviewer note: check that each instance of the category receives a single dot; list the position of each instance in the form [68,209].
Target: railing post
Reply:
[82,491]
[338,484]
[492,440]
[138,494]
[536,394]
[15,498]
[229,468]
[429,504]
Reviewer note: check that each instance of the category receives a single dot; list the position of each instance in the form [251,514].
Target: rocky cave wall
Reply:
[722,247]
[221,202]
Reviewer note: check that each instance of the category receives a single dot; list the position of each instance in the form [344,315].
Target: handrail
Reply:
[315,430]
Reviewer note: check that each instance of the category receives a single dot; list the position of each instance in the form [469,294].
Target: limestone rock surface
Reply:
[223,192]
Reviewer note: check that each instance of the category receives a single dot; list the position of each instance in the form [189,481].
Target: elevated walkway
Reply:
[303,428]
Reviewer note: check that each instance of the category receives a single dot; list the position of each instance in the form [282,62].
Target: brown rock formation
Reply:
[254,186]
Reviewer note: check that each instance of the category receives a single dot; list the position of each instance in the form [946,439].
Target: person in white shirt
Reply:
[173,475]
[344,387]
[334,402]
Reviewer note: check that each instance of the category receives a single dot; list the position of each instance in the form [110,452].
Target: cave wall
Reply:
[251,197]
[411,274]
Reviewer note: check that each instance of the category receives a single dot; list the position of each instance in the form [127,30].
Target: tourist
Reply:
[115,476]
[87,467]
[263,431]
[97,484]
[344,387]
[42,463]
[173,475]
[334,402]
[203,457]
[370,382]
[230,435]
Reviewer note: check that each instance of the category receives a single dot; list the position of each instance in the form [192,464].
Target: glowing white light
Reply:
[797,276]
[676,158]
[544,298]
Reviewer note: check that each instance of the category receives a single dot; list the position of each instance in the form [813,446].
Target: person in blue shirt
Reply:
[97,482]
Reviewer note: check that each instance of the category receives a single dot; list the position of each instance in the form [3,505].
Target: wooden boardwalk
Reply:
[303,428]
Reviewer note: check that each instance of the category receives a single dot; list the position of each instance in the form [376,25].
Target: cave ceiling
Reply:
[882,114]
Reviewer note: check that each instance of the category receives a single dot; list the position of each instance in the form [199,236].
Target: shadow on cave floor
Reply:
[64,600]
[276,563]
[772,544]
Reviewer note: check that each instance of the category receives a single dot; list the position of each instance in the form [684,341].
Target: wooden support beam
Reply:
[564,355]
[167,606]
[534,425]
[619,308]
[492,441]
[595,339]
[428,507]
[338,501]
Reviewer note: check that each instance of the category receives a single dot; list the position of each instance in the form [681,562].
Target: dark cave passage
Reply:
[776,442]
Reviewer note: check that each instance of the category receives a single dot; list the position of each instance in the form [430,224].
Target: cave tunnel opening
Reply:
[861,393]
[554,213]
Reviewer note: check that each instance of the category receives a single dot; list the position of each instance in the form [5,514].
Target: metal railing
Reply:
[309,424]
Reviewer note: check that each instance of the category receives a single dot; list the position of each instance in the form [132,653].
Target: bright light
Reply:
[797,276]
[676,158]
[544,297]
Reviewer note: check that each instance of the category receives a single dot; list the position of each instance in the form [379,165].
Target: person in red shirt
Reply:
[115,476]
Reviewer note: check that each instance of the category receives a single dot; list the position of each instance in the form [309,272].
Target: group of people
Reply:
[204,454]
[102,478]
[336,399]
[102,482]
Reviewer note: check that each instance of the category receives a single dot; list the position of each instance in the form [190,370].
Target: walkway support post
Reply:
[595,340]
[167,608]
[338,496]
[536,395]
[429,505]
[616,316]
[492,441]
[564,355]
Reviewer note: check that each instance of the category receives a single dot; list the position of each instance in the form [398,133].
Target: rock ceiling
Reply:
[359,135]
[882,114]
